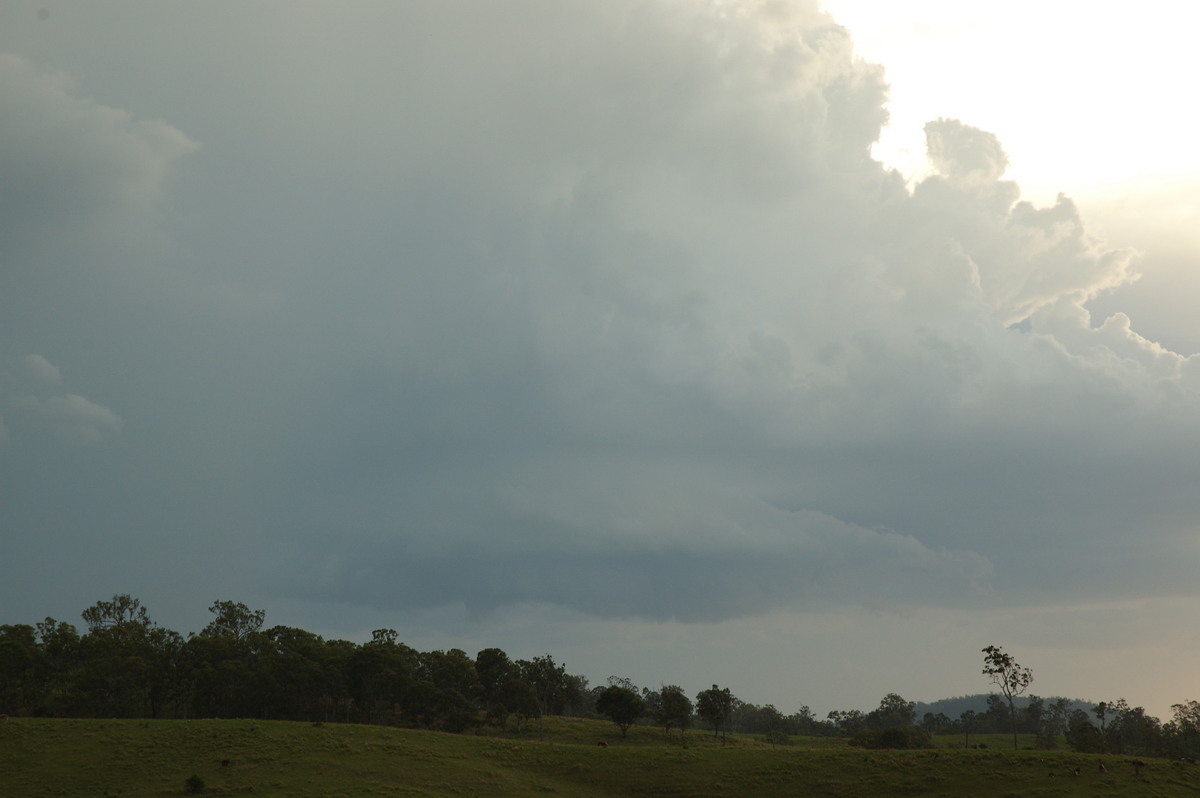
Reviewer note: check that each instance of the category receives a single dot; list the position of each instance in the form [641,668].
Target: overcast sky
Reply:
[622,331]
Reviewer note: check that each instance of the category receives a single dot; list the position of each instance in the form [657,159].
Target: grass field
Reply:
[136,759]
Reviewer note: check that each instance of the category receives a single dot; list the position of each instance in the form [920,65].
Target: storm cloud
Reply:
[597,307]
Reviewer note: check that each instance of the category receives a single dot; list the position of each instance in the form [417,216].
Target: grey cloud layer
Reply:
[599,306]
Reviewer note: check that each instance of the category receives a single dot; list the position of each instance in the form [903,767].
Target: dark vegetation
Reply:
[126,666]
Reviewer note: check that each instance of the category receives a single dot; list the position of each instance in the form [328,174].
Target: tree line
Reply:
[127,666]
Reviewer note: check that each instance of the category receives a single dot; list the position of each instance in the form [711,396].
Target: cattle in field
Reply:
[602,744]
[224,763]
[1137,766]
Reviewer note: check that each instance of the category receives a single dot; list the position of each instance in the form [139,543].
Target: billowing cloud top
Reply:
[602,305]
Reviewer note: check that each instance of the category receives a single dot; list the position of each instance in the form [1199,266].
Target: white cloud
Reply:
[43,370]
[69,162]
[72,418]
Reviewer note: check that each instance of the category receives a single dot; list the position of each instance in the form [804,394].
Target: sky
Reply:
[803,349]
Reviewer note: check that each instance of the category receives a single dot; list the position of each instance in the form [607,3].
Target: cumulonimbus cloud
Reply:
[608,306]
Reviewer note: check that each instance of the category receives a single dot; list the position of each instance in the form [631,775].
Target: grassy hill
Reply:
[134,758]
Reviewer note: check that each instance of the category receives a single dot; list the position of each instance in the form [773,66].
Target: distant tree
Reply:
[804,722]
[622,705]
[716,706]
[295,673]
[384,637]
[935,723]
[998,717]
[675,708]
[60,654]
[495,671]
[1184,730]
[19,687]
[521,701]
[967,719]
[124,610]
[621,681]
[773,726]
[1009,676]
[554,687]
[129,666]
[1056,715]
[1082,735]
[450,670]
[233,619]
[1053,724]
[1132,731]
[893,711]
[1031,715]
[847,722]
[579,699]
[378,674]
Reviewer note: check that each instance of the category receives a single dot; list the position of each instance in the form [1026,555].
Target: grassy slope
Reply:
[98,758]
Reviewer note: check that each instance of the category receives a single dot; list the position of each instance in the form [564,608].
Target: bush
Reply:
[193,785]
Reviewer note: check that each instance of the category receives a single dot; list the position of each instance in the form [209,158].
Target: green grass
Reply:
[135,759]
[1001,742]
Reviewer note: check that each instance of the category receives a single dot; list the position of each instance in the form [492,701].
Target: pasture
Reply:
[70,758]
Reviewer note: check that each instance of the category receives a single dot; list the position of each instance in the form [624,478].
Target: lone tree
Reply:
[716,706]
[622,705]
[1009,676]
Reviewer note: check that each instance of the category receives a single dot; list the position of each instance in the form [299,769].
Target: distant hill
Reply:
[954,707]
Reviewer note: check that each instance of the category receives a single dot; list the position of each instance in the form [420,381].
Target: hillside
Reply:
[954,707]
[136,759]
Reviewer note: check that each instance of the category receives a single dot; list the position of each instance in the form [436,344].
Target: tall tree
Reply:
[495,671]
[130,666]
[551,683]
[1185,729]
[61,653]
[123,611]
[716,705]
[378,674]
[18,668]
[668,706]
[1007,674]
[233,619]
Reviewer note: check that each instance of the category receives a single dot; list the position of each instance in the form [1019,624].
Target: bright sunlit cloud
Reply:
[1086,97]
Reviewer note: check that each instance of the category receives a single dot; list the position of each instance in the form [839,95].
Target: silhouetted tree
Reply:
[1082,735]
[622,705]
[893,711]
[129,666]
[716,706]
[19,683]
[495,671]
[233,619]
[553,686]
[935,723]
[967,719]
[668,706]
[1009,676]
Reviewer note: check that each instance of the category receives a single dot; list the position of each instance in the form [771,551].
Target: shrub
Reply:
[193,785]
